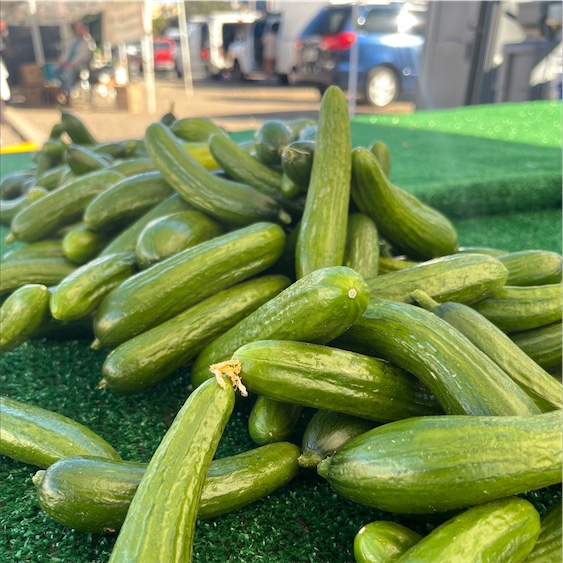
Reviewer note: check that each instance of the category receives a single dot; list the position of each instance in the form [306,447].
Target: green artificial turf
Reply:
[490,179]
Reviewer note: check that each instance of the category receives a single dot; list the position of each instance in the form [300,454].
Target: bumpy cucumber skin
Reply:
[316,308]
[466,460]
[463,278]
[326,432]
[272,421]
[514,308]
[36,436]
[22,314]
[542,344]
[81,292]
[160,522]
[146,359]
[92,494]
[361,252]
[322,234]
[411,226]
[383,541]
[80,244]
[532,267]
[319,376]
[169,287]
[501,531]
[549,544]
[463,379]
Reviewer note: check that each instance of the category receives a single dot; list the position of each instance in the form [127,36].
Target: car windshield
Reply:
[328,22]
[162,46]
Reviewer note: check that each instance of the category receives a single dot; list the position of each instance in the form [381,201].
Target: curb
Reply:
[23,127]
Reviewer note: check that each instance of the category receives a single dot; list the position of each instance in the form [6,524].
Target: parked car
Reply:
[389,39]
[164,52]
[197,65]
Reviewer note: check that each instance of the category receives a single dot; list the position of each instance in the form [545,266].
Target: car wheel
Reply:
[322,88]
[382,86]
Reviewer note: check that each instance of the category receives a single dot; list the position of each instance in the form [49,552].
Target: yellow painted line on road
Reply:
[21,147]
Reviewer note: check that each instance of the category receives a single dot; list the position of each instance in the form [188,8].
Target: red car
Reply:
[164,52]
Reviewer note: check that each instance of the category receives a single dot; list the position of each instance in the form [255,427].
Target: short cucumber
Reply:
[270,138]
[12,184]
[515,308]
[316,308]
[53,177]
[463,379]
[324,377]
[80,244]
[383,155]
[405,467]
[196,129]
[160,522]
[501,531]
[81,292]
[549,544]
[542,344]
[51,248]
[545,391]
[93,494]
[272,421]
[82,160]
[76,129]
[414,228]
[532,267]
[37,436]
[322,234]
[361,252]
[22,314]
[297,162]
[146,359]
[464,278]
[169,287]
[383,541]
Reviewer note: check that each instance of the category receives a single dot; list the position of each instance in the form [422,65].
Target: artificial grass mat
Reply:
[305,521]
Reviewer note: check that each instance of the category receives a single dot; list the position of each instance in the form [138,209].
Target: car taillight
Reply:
[298,45]
[204,53]
[338,41]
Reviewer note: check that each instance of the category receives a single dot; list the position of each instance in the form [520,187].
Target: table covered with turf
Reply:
[495,170]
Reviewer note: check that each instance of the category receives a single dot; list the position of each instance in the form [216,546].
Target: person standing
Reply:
[269,42]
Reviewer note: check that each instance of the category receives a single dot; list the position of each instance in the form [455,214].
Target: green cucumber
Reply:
[545,391]
[12,184]
[132,166]
[93,494]
[542,344]
[80,244]
[9,208]
[515,308]
[383,155]
[440,463]
[169,287]
[361,252]
[308,133]
[297,125]
[126,201]
[196,129]
[76,129]
[53,177]
[326,432]
[232,203]
[322,234]
[297,162]
[51,248]
[172,233]
[464,278]
[272,421]
[113,149]
[146,359]
[37,436]
[61,207]
[383,542]
[160,522]
[82,160]
[386,265]
[316,308]
[47,271]
[22,314]
[411,226]
[270,139]
[532,267]
[288,188]
[496,252]
[463,379]
[549,544]
[81,292]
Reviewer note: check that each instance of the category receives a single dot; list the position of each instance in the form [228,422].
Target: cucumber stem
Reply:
[38,477]
[309,459]
[9,238]
[96,345]
[424,300]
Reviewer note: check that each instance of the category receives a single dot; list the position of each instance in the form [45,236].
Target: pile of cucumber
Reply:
[291,272]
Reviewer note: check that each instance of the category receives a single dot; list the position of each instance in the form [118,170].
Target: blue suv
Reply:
[389,41]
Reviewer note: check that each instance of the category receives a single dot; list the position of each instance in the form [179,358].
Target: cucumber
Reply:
[383,541]
[82,160]
[113,149]
[316,308]
[81,292]
[160,522]
[51,248]
[92,494]
[464,278]
[542,344]
[76,129]
[37,436]
[61,207]
[549,544]
[412,227]
[496,252]
[322,234]
[272,421]
[270,139]
[326,432]
[440,463]
[146,359]
[12,184]
[515,308]
[318,376]
[383,155]
[229,202]
[132,166]
[170,234]
[160,292]
[22,314]
[463,379]
[126,201]
[196,129]
[297,162]
[46,271]
[361,252]
[9,208]
[53,177]
[80,244]
[288,188]
[386,265]
[532,267]
[200,152]
[545,391]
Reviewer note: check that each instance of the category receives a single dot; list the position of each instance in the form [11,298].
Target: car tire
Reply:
[382,86]
[322,88]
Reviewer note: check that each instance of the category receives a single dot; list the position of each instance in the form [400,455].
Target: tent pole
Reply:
[185,47]
[148,57]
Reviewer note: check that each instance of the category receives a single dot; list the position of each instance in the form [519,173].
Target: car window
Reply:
[162,45]
[327,22]
[381,20]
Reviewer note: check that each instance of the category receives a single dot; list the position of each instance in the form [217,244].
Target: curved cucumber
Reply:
[383,541]
[383,155]
[272,421]
[532,267]
[80,244]
[82,160]
[361,252]
[549,544]
[542,344]
[383,468]
[40,437]
[165,289]
[76,129]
